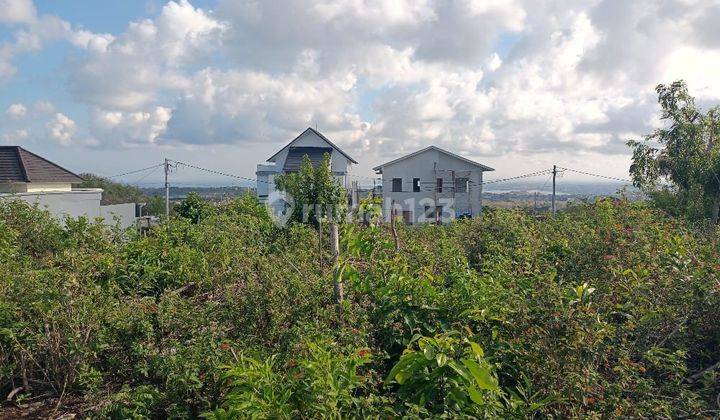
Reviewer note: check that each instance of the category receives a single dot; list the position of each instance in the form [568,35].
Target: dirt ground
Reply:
[42,409]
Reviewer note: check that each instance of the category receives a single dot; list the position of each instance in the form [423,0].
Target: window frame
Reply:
[465,185]
[397,182]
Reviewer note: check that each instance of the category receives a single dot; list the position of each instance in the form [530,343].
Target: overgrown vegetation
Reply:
[117,193]
[607,310]
[678,164]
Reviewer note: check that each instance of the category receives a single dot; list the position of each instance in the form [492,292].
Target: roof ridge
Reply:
[22,163]
[45,160]
[439,149]
[319,134]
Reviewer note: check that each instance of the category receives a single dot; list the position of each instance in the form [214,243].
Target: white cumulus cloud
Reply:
[61,129]
[17,11]
[16,111]
[518,78]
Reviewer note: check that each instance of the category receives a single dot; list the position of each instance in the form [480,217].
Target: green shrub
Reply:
[608,309]
[320,382]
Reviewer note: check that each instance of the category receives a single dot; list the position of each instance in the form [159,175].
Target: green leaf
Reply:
[477,349]
[475,395]
[441,359]
[457,393]
[401,377]
[482,375]
[460,370]
[429,353]
[405,362]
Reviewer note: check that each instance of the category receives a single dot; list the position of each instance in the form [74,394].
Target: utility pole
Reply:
[554,174]
[167,189]
[338,289]
[393,230]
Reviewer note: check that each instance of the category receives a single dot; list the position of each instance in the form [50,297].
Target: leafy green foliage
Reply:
[686,152]
[113,192]
[315,192]
[607,310]
[118,193]
[319,383]
[193,208]
[449,375]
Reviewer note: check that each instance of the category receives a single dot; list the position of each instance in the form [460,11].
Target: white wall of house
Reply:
[13,187]
[48,186]
[124,214]
[21,187]
[76,203]
[428,166]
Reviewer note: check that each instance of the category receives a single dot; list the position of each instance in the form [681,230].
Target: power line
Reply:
[595,175]
[218,172]
[136,171]
[530,175]
[494,181]
[137,181]
[545,183]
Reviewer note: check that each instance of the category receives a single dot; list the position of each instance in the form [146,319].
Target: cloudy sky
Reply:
[518,85]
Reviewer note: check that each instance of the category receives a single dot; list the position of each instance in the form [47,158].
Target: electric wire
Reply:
[137,181]
[136,171]
[494,181]
[218,172]
[595,175]
[529,175]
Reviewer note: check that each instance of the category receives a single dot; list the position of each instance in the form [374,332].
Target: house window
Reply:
[397,185]
[461,185]
[416,184]
[438,185]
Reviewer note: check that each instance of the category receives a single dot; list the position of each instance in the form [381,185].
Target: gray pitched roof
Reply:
[481,166]
[319,134]
[20,165]
[296,154]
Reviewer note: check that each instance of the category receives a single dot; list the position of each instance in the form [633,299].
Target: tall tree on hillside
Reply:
[315,192]
[685,154]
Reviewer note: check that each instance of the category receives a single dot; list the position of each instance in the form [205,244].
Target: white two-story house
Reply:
[288,159]
[431,185]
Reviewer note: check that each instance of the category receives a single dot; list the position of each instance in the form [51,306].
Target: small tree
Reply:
[248,204]
[194,208]
[685,153]
[315,191]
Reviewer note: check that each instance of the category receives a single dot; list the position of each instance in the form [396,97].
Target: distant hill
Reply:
[211,193]
[114,192]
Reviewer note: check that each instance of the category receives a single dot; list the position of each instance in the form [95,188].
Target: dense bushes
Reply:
[609,309]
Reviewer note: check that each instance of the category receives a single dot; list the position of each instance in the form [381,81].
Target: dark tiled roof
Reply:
[10,167]
[296,154]
[19,165]
[319,134]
